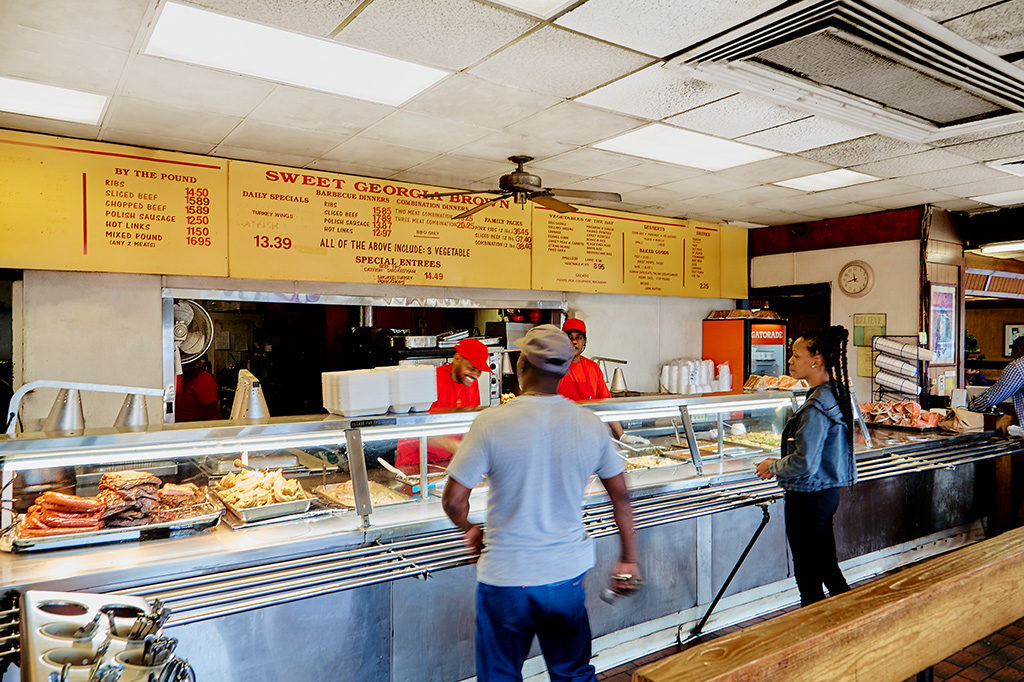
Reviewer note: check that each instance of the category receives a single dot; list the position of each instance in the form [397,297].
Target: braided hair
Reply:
[831,345]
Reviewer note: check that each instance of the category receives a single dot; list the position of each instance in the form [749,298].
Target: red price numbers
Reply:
[381,232]
[434,275]
[265,242]
[196,240]
[524,243]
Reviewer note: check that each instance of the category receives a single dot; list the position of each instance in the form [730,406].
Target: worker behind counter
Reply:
[198,396]
[1010,385]
[585,380]
[456,387]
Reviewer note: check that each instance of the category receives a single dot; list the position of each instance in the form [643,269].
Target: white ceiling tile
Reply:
[921,162]
[707,204]
[364,151]
[575,124]
[262,156]
[272,138]
[53,59]
[154,140]
[990,149]
[656,92]
[660,27]
[1012,127]
[1008,183]
[940,10]
[48,126]
[586,162]
[636,208]
[113,23]
[858,193]
[708,184]
[769,217]
[142,116]
[919,198]
[460,169]
[648,196]
[365,170]
[423,131]
[652,173]
[800,204]
[776,169]
[466,98]
[321,111]
[500,146]
[754,195]
[740,114]
[193,87]
[863,150]
[804,134]
[449,34]
[960,205]
[443,180]
[998,28]
[558,62]
[839,211]
[953,176]
[315,17]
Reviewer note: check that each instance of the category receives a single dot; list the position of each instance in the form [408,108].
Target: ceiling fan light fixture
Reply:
[49,101]
[197,36]
[684,148]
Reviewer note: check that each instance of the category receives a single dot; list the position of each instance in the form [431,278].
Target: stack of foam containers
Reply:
[411,387]
[356,393]
[894,370]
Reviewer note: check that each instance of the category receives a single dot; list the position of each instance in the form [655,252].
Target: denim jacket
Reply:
[815,452]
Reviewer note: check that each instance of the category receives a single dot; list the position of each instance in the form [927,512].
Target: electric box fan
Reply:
[193,332]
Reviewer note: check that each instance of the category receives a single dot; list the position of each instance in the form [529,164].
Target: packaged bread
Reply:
[752,381]
[739,313]
[766,314]
[718,314]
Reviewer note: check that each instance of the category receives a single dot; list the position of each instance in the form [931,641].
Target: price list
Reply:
[311,225]
[75,205]
[654,248]
[702,255]
[579,251]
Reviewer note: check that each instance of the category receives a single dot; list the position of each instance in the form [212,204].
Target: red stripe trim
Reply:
[85,218]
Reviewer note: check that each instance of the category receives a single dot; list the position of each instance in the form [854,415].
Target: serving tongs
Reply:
[150,623]
[174,670]
[158,650]
[414,480]
[646,450]
[89,629]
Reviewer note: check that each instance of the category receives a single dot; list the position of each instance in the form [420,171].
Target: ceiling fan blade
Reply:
[586,194]
[438,195]
[480,207]
[554,204]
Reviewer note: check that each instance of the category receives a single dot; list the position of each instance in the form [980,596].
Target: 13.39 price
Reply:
[265,242]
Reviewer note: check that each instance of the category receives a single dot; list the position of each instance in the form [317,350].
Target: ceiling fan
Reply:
[521,186]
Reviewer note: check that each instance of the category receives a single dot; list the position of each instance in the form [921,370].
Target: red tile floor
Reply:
[1000,656]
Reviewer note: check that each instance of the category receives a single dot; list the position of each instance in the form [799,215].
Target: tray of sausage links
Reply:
[130,505]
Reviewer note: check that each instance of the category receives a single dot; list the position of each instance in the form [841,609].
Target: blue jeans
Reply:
[507,618]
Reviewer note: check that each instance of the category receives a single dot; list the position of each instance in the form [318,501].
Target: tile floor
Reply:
[1000,656]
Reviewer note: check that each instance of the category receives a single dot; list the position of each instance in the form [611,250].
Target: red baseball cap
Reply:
[476,352]
[574,324]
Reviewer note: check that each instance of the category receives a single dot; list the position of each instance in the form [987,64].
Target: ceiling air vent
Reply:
[873,63]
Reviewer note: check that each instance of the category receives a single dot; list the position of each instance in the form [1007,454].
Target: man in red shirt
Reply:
[456,387]
[585,380]
[198,397]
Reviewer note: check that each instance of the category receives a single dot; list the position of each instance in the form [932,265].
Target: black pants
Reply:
[813,543]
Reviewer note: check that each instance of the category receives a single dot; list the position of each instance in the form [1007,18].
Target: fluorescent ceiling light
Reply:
[684,148]
[538,8]
[199,37]
[827,180]
[48,101]
[1002,198]
[1003,247]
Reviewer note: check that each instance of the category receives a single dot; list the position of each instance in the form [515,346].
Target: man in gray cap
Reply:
[538,453]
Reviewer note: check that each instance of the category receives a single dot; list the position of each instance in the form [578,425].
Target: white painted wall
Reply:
[897,268]
[87,327]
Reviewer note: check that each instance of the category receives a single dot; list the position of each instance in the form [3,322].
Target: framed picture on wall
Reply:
[942,323]
[1010,333]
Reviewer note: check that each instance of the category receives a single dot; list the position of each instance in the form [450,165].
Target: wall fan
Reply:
[193,332]
[522,186]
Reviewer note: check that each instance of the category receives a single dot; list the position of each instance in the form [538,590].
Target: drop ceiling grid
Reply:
[656,92]
[314,17]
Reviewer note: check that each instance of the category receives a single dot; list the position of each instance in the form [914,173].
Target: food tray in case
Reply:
[49,618]
[267,511]
[199,517]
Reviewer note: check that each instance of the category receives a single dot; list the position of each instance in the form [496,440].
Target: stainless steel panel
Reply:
[342,636]
[767,562]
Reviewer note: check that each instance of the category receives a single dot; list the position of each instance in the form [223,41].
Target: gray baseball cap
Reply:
[547,348]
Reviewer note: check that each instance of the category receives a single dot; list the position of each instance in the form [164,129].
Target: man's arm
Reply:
[456,505]
[1010,382]
[622,510]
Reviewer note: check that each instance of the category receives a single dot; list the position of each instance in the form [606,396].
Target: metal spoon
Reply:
[89,629]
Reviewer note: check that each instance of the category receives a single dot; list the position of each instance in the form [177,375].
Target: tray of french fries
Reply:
[254,495]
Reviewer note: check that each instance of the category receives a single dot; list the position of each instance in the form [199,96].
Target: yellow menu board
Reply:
[579,251]
[702,260]
[288,223]
[78,205]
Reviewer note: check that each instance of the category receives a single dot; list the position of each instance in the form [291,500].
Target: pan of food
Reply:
[253,495]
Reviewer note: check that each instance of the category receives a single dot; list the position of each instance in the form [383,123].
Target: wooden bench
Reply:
[889,629]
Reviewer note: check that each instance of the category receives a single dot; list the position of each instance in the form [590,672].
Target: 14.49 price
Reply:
[265,242]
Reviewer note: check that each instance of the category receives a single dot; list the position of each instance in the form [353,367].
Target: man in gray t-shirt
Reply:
[538,453]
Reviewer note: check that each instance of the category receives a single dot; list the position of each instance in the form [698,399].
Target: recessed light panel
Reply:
[827,180]
[199,37]
[48,101]
[1002,198]
[684,147]
[1003,247]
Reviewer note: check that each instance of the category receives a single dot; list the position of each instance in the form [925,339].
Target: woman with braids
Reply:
[817,459]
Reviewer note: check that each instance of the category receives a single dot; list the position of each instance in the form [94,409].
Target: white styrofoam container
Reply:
[356,393]
[412,387]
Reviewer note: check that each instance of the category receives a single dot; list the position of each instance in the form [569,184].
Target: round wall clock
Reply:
[856,278]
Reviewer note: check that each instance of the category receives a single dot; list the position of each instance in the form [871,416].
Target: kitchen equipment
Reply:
[192,332]
[422,341]
[66,416]
[249,403]
[133,414]
[15,404]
